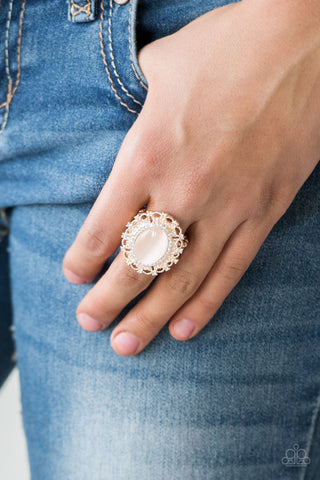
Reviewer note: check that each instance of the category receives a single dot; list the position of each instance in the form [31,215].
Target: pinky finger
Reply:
[233,261]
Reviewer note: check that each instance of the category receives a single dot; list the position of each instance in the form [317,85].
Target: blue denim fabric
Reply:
[226,405]
[83,10]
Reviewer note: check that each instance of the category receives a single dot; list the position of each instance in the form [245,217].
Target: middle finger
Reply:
[115,289]
[171,290]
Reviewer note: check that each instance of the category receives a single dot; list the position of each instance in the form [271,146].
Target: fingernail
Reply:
[184,328]
[89,323]
[126,343]
[72,277]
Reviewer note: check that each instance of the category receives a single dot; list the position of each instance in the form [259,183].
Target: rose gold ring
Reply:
[152,242]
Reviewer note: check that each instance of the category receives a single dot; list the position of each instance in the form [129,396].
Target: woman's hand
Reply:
[228,134]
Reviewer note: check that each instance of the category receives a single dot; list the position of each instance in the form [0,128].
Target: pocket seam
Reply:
[11,91]
[104,58]
[131,54]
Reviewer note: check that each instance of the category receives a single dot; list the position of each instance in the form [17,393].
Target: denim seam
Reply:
[18,55]
[112,57]
[7,68]
[11,92]
[104,58]
[311,434]
[130,48]
[75,9]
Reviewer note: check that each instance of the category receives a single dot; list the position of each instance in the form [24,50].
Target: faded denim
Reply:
[226,405]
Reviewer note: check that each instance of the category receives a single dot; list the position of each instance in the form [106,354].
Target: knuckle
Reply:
[208,304]
[260,201]
[150,145]
[193,191]
[232,270]
[266,203]
[127,277]
[282,200]
[187,198]
[94,241]
[146,323]
[142,151]
[146,164]
[272,200]
[183,283]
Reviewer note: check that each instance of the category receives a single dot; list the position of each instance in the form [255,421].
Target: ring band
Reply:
[152,242]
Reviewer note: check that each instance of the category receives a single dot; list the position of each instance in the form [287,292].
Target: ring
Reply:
[152,242]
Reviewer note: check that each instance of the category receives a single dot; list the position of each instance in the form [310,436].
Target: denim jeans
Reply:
[240,401]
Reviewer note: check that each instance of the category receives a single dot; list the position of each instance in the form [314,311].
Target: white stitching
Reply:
[7,67]
[104,58]
[112,57]
[130,48]
[10,91]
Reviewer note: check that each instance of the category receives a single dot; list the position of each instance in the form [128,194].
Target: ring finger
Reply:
[232,263]
[120,284]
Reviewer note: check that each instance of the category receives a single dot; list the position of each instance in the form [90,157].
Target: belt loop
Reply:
[83,11]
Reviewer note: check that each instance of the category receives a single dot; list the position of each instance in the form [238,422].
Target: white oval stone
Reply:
[150,245]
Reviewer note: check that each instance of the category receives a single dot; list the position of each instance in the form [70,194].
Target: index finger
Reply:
[121,197]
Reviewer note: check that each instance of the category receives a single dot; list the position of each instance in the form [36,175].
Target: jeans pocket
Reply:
[133,29]
[11,23]
[151,20]
[126,26]
[119,53]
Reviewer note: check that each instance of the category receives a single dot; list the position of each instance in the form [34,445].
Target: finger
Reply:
[120,199]
[232,263]
[107,298]
[171,290]
[114,290]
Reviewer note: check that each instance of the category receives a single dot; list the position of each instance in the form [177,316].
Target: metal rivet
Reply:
[121,2]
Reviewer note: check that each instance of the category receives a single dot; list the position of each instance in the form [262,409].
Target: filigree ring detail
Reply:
[152,242]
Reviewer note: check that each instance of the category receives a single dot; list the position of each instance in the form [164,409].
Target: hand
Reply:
[228,134]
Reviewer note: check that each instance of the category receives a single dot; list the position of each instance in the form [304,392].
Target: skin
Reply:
[235,135]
